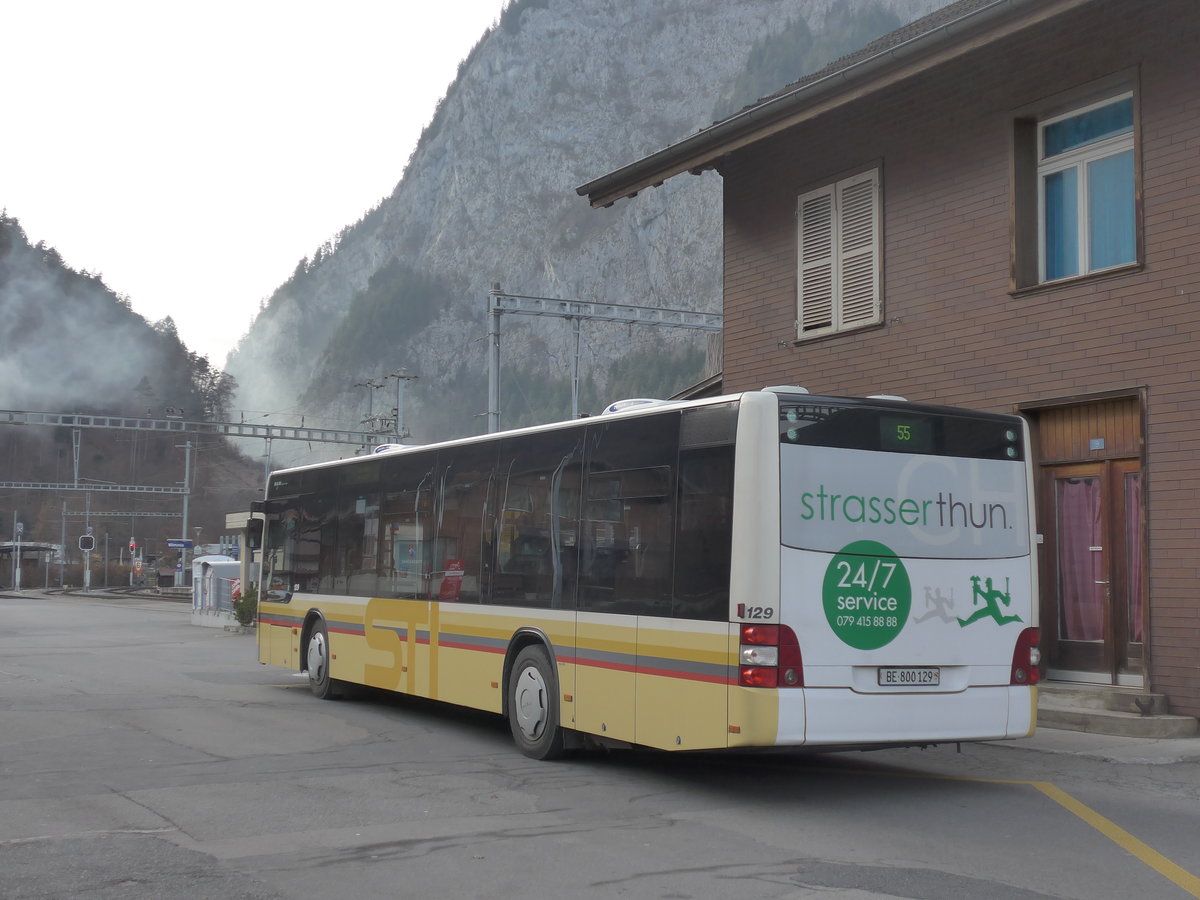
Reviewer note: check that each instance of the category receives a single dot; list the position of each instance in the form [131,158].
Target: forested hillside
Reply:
[71,345]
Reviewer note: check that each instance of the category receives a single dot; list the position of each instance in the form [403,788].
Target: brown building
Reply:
[998,207]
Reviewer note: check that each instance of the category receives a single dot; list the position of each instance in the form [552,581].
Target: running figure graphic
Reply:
[992,598]
[937,605]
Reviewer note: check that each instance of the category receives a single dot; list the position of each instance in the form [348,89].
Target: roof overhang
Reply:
[946,41]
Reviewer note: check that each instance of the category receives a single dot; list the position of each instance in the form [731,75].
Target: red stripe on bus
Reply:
[663,673]
[454,645]
[687,676]
[594,663]
[563,658]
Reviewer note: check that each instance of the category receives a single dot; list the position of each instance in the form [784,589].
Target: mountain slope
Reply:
[71,345]
[558,93]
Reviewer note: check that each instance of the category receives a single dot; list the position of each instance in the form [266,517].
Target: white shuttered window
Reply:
[838,258]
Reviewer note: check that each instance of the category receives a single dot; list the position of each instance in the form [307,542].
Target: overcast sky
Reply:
[192,153]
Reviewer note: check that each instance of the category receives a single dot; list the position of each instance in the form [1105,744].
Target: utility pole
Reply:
[372,386]
[62,548]
[18,528]
[402,378]
[493,407]
[181,574]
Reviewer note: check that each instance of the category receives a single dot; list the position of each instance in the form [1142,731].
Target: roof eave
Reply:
[704,149]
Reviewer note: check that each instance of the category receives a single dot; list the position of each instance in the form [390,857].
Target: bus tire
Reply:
[316,653]
[533,708]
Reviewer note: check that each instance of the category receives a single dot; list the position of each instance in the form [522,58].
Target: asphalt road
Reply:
[144,757]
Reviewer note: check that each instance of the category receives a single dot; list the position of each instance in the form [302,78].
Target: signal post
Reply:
[87,543]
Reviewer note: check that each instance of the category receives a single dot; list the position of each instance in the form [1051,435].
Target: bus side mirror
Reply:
[254,533]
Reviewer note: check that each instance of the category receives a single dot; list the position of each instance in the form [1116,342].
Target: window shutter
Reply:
[838,256]
[858,233]
[816,262]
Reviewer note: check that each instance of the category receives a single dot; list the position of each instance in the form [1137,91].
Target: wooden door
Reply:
[1093,615]
[1093,559]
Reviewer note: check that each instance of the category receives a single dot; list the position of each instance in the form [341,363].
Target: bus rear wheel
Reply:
[533,709]
[317,660]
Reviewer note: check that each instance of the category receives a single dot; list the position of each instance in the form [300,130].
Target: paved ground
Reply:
[144,757]
[1111,748]
[1107,748]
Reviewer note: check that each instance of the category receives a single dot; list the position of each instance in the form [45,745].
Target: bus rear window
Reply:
[858,426]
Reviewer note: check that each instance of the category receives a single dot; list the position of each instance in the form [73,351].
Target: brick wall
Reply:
[954,330]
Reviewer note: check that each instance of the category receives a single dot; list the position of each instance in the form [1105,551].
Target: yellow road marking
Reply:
[1122,838]
[1174,873]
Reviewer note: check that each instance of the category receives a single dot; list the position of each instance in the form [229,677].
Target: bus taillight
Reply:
[1026,658]
[770,657]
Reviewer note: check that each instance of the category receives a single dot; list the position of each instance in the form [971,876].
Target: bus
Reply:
[767,569]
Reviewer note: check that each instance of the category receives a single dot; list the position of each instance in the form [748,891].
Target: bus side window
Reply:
[325,518]
[704,548]
[704,538]
[358,541]
[305,545]
[538,502]
[278,550]
[627,539]
[404,559]
[463,553]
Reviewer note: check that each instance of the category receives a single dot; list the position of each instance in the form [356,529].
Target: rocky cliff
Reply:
[559,92]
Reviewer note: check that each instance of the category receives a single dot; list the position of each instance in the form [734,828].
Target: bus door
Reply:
[290,565]
[683,661]
[625,557]
[654,580]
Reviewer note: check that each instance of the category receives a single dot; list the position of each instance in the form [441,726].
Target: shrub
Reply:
[245,607]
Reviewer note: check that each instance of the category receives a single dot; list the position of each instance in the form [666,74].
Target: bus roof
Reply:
[644,408]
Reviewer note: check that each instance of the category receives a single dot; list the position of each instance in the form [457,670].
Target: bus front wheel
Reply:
[533,705]
[317,659]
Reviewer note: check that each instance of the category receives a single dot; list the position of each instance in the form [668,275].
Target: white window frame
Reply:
[1079,159]
[838,256]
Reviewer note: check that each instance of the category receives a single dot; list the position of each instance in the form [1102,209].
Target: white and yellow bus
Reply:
[773,568]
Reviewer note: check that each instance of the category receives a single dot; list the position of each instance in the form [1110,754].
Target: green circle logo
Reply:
[867,595]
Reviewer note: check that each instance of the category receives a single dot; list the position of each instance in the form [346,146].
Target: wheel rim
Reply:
[529,700]
[316,657]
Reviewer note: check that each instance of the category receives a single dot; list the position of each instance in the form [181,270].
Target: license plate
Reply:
[910,676]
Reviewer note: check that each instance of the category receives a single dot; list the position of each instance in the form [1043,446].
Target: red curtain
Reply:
[1079,566]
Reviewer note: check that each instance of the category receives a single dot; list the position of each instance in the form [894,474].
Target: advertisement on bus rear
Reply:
[941,507]
[902,544]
